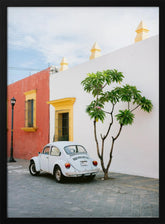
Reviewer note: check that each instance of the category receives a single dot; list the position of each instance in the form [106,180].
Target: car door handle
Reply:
[47,157]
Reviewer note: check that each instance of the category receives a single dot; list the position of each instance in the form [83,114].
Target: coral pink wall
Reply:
[28,144]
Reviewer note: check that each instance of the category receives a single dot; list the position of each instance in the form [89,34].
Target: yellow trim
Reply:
[30,92]
[142,30]
[95,49]
[33,129]
[64,105]
[63,63]
[30,95]
[58,125]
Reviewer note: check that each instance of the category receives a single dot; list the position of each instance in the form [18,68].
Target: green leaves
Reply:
[95,82]
[125,117]
[145,104]
[112,96]
[113,76]
[128,93]
[94,110]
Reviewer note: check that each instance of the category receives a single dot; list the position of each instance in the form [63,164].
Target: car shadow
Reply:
[75,180]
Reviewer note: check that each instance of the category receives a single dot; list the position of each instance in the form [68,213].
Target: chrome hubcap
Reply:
[58,175]
[33,170]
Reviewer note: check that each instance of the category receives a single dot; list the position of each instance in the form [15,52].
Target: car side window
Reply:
[55,151]
[46,150]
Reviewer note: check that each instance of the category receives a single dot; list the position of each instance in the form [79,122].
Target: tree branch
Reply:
[102,152]
[111,151]
[106,112]
[110,122]
[104,85]
[118,132]
[103,138]
[97,144]
[135,108]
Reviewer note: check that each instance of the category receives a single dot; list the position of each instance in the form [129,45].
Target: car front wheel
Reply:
[32,169]
[58,175]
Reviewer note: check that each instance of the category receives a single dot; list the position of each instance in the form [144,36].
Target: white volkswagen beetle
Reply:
[64,159]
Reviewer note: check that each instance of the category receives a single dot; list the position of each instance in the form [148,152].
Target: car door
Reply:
[45,159]
[55,156]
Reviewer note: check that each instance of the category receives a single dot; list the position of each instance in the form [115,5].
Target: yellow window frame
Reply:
[30,95]
[64,105]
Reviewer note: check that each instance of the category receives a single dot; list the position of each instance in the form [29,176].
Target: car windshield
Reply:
[74,149]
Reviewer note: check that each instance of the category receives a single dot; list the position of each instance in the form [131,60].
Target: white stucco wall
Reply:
[136,151]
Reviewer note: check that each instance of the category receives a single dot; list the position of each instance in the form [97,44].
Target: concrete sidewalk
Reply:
[120,196]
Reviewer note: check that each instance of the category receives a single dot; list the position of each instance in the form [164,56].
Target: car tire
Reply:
[59,177]
[32,169]
[90,178]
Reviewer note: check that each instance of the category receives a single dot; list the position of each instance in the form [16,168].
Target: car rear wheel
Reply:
[91,177]
[59,177]
[32,169]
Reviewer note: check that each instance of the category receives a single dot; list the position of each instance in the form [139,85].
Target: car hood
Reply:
[81,162]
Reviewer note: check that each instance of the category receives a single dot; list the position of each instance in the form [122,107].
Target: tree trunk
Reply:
[106,175]
[111,151]
[105,170]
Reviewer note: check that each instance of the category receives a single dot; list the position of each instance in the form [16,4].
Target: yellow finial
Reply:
[95,51]
[64,64]
[142,32]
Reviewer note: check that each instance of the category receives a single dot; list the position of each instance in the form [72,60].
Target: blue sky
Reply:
[41,36]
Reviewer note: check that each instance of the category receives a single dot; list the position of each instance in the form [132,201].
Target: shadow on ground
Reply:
[72,180]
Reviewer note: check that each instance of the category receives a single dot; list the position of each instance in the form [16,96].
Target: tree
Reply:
[98,84]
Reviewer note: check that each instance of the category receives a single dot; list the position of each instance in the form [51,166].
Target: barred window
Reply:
[62,120]
[30,109]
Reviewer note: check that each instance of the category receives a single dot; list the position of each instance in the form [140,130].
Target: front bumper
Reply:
[83,173]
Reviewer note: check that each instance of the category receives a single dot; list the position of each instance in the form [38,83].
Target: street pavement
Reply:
[41,197]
